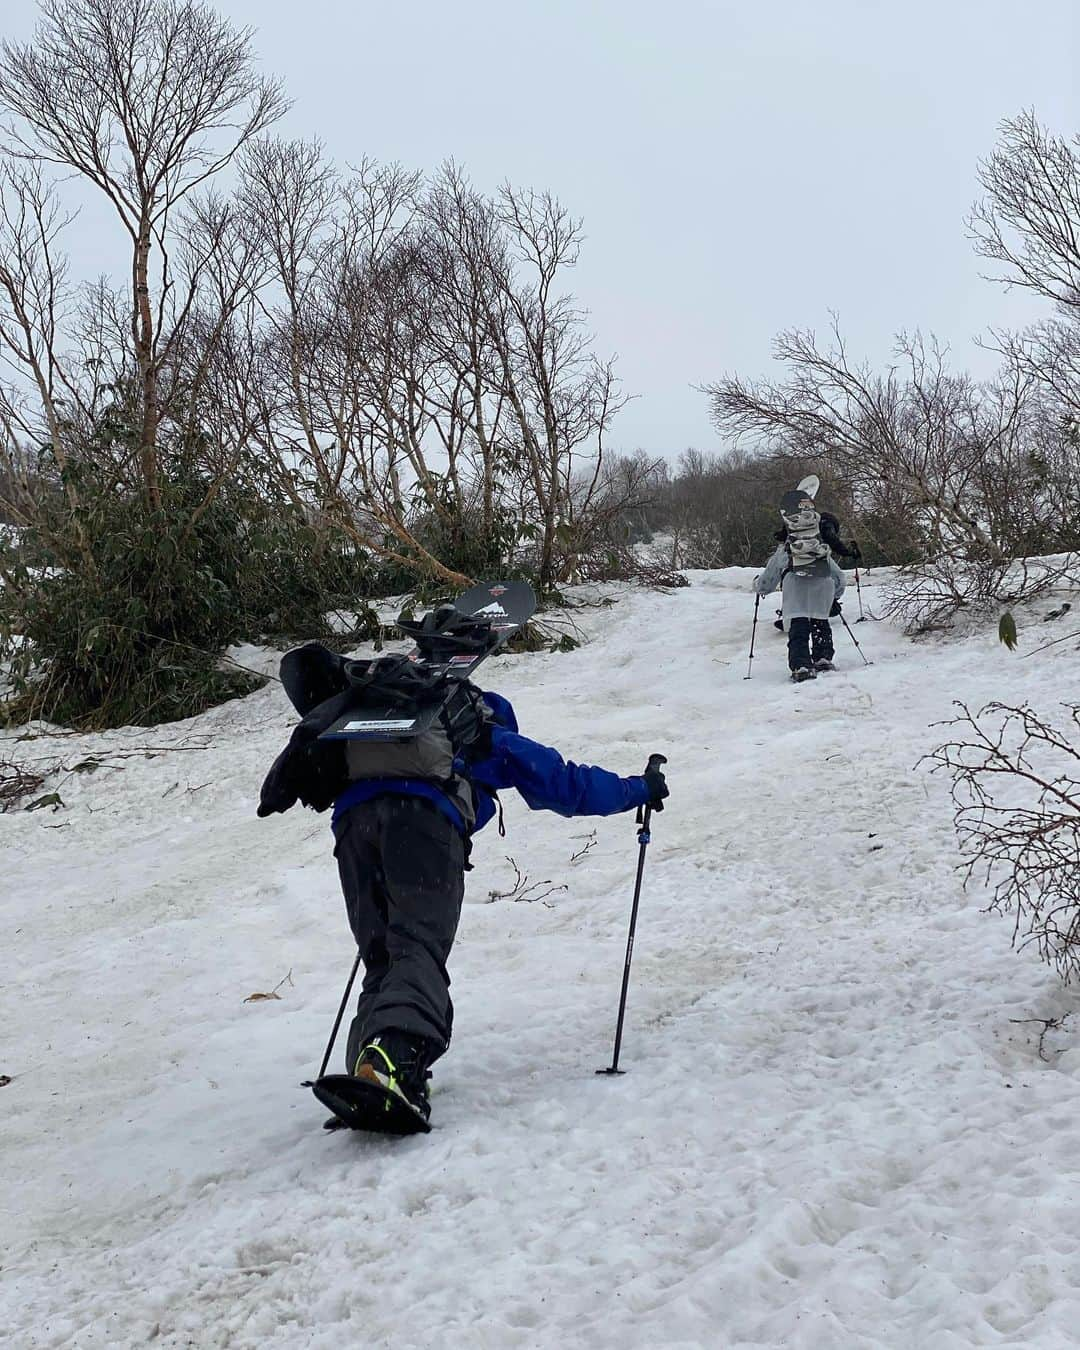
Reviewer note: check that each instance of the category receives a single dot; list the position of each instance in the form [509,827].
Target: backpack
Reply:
[325,687]
[400,684]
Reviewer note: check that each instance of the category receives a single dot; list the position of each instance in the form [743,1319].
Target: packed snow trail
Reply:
[835,1128]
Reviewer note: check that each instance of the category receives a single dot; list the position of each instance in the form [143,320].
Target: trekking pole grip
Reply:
[653,766]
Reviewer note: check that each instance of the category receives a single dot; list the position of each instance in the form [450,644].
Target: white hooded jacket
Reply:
[804,597]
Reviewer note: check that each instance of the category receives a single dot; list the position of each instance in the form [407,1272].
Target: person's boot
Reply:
[397,1063]
[801,673]
[821,645]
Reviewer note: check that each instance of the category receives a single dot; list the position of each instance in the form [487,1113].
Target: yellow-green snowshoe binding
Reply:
[377,1095]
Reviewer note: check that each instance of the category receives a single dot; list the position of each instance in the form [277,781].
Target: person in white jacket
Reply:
[811,595]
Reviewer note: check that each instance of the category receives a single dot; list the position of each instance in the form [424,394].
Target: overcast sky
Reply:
[741,168]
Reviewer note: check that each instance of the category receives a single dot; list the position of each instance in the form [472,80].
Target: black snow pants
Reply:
[809,640]
[402,869]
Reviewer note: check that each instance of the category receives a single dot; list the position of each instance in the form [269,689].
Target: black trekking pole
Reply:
[753,635]
[644,838]
[337,1023]
[854,639]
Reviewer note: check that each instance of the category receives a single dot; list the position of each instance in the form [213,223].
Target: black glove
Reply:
[656,782]
[834,613]
[308,770]
[281,787]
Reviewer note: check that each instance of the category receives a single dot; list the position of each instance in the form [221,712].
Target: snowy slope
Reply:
[832,1131]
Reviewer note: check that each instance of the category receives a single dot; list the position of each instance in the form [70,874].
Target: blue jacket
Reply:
[543,778]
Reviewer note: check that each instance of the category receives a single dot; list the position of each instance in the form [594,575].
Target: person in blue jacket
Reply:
[402,844]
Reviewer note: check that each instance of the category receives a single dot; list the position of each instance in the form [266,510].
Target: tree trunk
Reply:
[143,332]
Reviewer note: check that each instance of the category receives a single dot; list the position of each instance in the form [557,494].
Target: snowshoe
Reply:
[387,1090]
[803,673]
[822,663]
[361,1105]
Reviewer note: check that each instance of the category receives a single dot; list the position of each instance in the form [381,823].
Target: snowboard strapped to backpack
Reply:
[811,535]
[402,716]
[808,552]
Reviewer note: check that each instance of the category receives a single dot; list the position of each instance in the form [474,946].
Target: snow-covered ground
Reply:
[835,1129]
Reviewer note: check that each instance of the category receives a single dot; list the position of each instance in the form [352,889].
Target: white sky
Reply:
[741,168]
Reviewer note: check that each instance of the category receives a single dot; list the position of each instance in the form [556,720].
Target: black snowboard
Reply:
[504,607]
[359,1105]
[509,605]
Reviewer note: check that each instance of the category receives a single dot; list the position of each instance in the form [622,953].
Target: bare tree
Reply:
[1028,221]
[147,100]
[918,429]
[465,254]
[562,399]
[1048,353]
[33,300]
[438,397]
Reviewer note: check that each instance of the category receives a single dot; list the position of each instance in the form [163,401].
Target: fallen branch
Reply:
[523,889]
[590,844]
[1048,1024]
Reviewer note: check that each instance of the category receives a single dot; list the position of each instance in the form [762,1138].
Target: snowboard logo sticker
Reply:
[380,724]
[496,591]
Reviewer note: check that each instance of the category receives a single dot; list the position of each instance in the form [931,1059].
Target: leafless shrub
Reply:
[1048,1025]
[1016,788]
[601,542]
[929,595]
[586,848]
[622,562]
